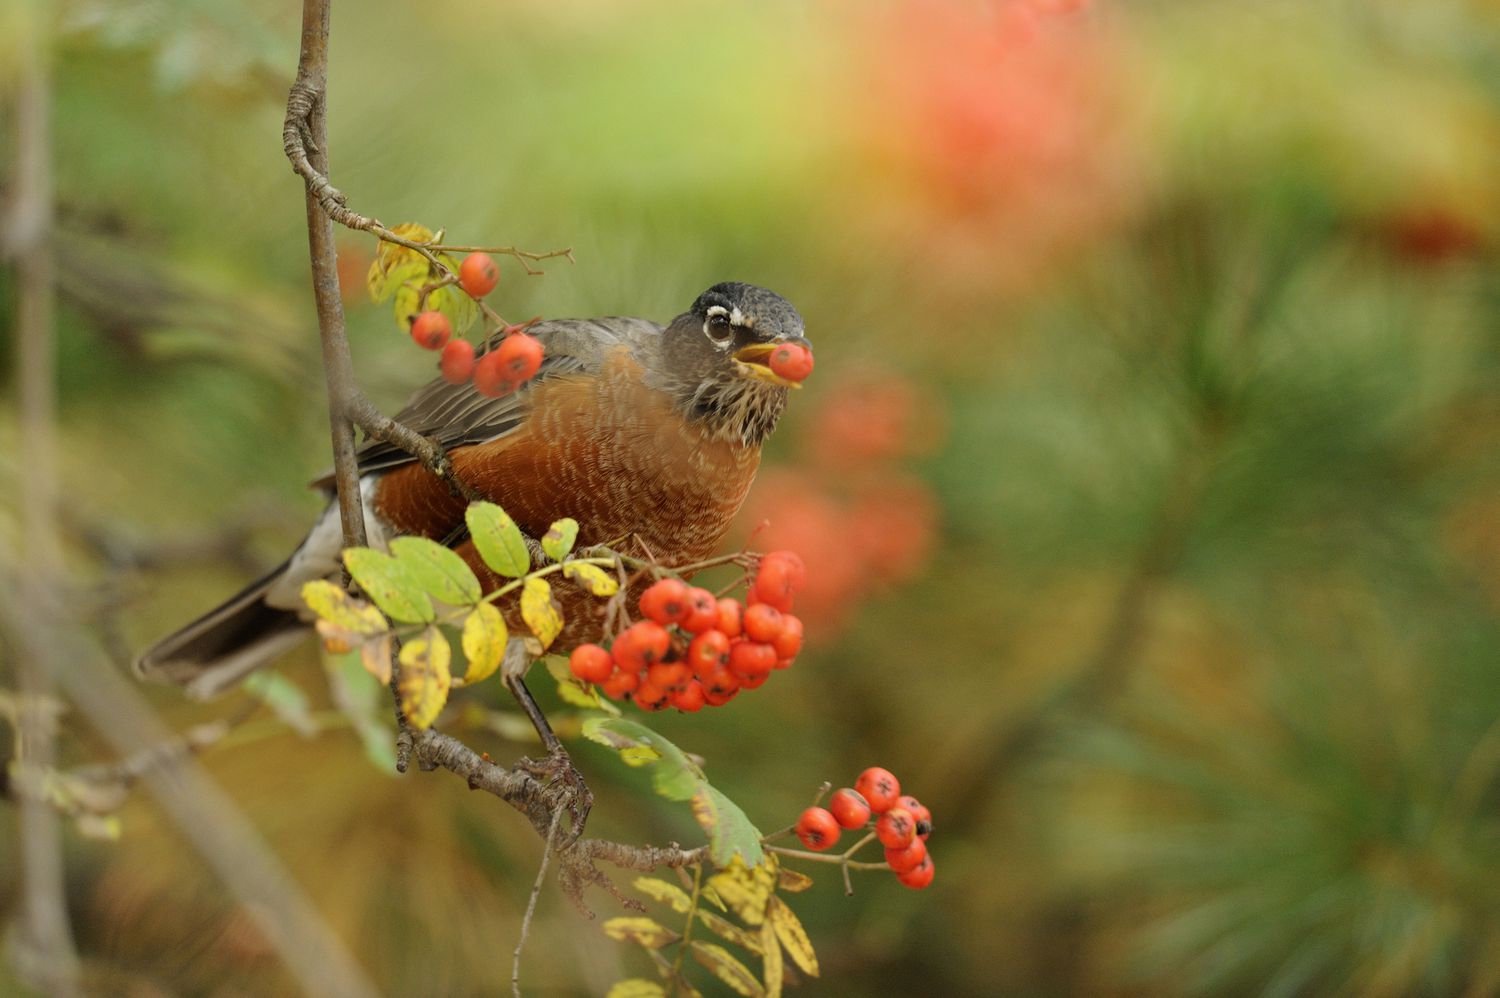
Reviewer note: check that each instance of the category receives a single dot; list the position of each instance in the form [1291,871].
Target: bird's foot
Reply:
[563,787]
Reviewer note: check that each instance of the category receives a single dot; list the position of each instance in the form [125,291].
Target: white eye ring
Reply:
[718,327]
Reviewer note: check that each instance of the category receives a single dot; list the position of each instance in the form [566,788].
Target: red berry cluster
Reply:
[692,649]
[501,370]
[901,823]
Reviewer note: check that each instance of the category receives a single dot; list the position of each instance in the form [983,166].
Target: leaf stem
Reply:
[687,931]
[822,857]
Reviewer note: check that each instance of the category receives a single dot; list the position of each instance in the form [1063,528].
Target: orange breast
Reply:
[605,450]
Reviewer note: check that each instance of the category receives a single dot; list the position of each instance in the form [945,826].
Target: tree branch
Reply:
[45,954]
[207,817]
[305,142]
[305,147]
[540,803]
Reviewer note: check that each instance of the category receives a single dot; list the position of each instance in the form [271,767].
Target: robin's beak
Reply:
[754,361]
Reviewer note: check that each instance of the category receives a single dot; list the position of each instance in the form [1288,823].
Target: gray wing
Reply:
[456,415]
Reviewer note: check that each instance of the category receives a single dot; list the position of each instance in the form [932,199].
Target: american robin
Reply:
[630,428]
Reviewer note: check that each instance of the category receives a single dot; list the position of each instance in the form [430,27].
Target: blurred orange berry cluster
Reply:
[860,520]
[996,135]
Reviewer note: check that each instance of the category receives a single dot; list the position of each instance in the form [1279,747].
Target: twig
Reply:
[536,889]
[844,859]
[304,144]
[539,802]
[823,857]
[46,957]
[687,929]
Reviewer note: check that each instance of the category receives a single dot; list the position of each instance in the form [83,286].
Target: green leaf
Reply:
[559,538]
[732,838]
[333,604]
[591,577]
[674,776]
[365,703]
[498,540]
[664,893]
[639,929]
[727,969]
[539,612]
[636,987]
[730,832]
[793,936]
[285,698]
[425,677]
[484,638]
[390,584]
[438,570]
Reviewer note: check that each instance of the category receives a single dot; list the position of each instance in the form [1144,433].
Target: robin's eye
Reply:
[718,326]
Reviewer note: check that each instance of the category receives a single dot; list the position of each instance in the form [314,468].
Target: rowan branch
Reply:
[540,803]
[304,138]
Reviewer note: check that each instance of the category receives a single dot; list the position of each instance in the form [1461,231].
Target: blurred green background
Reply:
[1149,479]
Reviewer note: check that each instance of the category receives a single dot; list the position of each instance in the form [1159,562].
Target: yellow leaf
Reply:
[639,755]
[792,935]
[395,265]
[745,889]
[452,302]
[725,929]
[727,969]
[793,882]
[772,969]
[484,640]
[636,987]
[539,612]
[375,656]
[557,542]
[574,692]
[412,231]
[578,696]
[375,282]
[665,893]
[404,307]
[333,604]
[425,677]
[645,931]
[100,827]
[591,577]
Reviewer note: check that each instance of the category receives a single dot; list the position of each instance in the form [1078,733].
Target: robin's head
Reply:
[716,356]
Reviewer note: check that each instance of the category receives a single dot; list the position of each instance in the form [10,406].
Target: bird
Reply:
[632,428]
